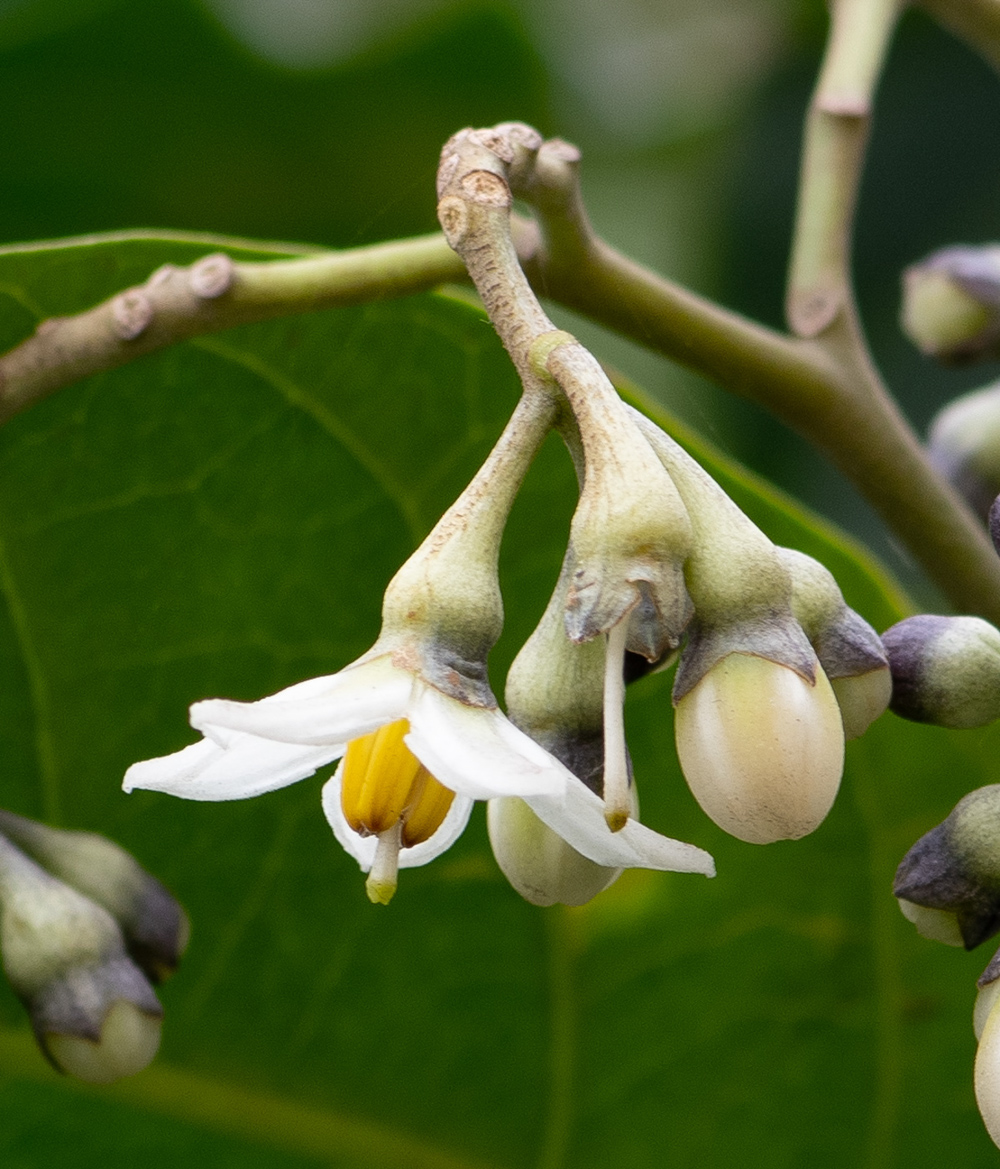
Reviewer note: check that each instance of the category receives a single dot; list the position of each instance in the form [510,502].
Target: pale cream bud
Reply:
[939,925]
[761,748]
[986,1076]
[539,864]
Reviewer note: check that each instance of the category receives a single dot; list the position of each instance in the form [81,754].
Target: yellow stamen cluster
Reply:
[387,792]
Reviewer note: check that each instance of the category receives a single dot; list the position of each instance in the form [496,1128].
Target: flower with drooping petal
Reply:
[568,697]
[414,717]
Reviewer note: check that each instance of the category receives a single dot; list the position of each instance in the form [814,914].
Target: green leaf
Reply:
[221,519]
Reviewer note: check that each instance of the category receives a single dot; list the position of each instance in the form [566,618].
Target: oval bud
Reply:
[955,868]
[762,750]
[988,994]
[540,865]
[848,648]
[939,925]
[964,445]
[945,670]
[155,927]
[951,301]
[128,1041]
[986,1076]
[93,1012]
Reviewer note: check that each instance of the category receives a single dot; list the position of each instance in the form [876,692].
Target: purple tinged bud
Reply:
[945,670]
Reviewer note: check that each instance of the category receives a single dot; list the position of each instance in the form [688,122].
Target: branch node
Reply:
[453,216]
[212,276]
[161,275]
[482,186]
[131,312]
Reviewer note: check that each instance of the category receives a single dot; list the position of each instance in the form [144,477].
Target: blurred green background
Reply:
[782,1015]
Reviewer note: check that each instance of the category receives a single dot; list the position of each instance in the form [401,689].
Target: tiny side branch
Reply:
[212,294]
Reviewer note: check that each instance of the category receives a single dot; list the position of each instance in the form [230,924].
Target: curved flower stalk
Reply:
[568,697]
[759,733]
[629,534]
[412,716]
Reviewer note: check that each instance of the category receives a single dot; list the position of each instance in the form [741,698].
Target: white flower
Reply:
[254,747]
[476,753]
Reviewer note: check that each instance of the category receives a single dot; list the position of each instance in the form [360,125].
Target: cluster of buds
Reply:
[946,670]
[948,885]
[951,312]
[774,668]
[84,933]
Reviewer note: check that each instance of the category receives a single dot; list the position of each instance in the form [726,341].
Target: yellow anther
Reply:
[384,784]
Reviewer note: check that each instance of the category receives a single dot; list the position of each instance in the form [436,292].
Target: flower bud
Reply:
[630,533]
[93,1012]
[948,884]
[849,650]
[951,303]
[945,670]
[539,864]
[761,748]
[155,927]
[986,1024]
[568,697]
[964,445]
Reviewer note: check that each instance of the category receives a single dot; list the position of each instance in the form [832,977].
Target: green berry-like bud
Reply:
[761,748]
[539,864]
[964,445]
[951,303]
[155,927]
[848,648]
[945,670]
[93,1012]
[955,870]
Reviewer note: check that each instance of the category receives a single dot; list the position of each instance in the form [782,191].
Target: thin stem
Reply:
[824,387]
[833,156]
[213,294]
[617,798]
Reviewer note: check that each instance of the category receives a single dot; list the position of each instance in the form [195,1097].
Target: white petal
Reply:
[479,753]
[362,848]
[247,767]
[579,820]
[331,709]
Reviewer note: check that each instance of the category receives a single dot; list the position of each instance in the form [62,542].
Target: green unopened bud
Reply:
[761,748]
[630,533]
[539,864]
[954,872]
[93,1012]
[951,303]
[848,648]
[964,445]
[569,697]
[741,589]
[155,927]
[945,670]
